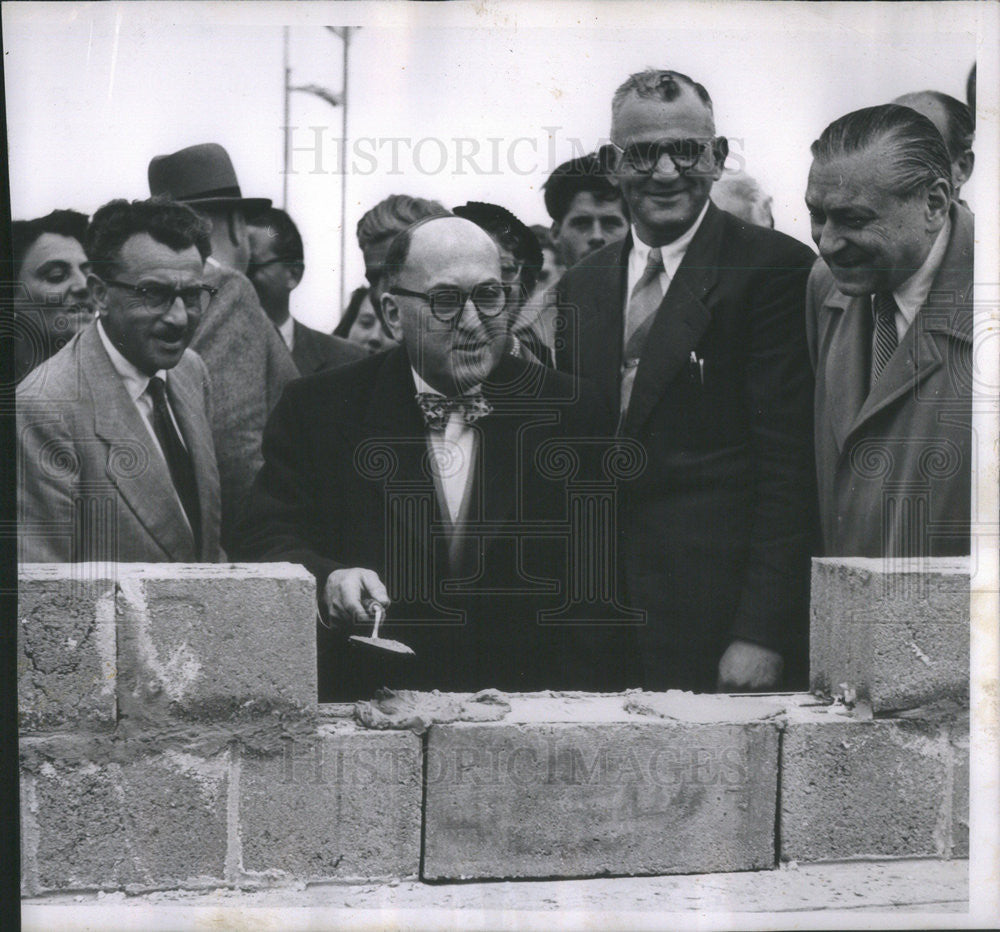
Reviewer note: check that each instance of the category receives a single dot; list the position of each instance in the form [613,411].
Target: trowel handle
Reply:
[377,611]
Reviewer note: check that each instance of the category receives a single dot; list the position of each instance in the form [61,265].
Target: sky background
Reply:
[449,101]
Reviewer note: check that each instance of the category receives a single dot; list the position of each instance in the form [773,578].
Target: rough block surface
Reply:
[66,662]
[209,642]
[894,633]
[344,804]
[111,821]
[853,789]
[578,799]
[960,792]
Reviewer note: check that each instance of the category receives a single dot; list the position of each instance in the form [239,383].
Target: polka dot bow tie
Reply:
[437,408]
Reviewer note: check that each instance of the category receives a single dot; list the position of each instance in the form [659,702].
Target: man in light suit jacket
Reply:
[247,360]
[890,333]
[277,263]
[418,478]
[693,328]
[115,456]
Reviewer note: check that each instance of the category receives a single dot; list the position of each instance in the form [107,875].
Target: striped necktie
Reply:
[647,295]
[885,340]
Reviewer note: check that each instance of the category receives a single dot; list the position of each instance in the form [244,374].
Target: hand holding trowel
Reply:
[376,610]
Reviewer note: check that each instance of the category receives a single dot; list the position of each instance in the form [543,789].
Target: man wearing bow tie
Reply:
[411,479]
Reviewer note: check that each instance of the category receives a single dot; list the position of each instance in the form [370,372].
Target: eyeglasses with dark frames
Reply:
[646,157]
[446,303]
[159,297]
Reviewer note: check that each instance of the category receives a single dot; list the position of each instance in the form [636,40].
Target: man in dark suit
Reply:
[889,320]
[428,478]
[115,454]
[277,263]
[693,328]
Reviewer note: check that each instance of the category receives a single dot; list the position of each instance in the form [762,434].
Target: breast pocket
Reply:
[713,402]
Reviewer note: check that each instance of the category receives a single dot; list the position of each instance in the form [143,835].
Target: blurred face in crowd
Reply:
[452,344]
[589,224]
[664,201]
[274,279]
[871,238]
[150,337]
[367,330]
[53,280]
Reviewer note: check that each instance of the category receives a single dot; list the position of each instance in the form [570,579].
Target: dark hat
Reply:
[500,223]
[201,176]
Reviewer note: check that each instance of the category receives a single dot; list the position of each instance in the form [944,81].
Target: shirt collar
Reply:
[673,252]
[287,331]
[424,388]
[136,382]
[911,295]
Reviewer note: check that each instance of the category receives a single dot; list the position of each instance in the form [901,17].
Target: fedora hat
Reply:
[201,176]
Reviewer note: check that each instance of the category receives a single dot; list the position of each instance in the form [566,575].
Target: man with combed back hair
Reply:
[889,320]
[693,328]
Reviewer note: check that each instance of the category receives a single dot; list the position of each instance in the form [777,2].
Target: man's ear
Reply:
[98,291]
[390,315]
[961,168]
[720,150]
[938,200]
[555,228]
[294,272]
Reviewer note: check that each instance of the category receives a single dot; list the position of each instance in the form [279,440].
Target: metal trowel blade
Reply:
[396,647]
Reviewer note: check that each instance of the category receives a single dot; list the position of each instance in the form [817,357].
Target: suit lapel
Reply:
[946,315]
[599,325]
[303,351]
[186,401]
[393,423]
[149,492]
[848,362]
[680,321]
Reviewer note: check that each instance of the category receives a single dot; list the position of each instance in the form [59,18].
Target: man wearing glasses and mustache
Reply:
[693,329]
[410,479]
[115,455]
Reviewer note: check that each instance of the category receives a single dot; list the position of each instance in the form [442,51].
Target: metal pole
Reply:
[287,74]
[343,175]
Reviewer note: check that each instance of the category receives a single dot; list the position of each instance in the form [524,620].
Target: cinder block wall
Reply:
[170,738]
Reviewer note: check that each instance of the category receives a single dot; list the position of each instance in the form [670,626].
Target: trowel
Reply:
[377,611]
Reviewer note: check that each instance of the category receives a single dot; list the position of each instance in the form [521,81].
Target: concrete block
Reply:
[575,799]
[959,847]
[208,642]
[894,633]
[344,804]
[66,664]
[854,789]
[106,820]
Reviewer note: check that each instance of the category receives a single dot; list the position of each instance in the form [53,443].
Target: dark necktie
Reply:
[437,408]
[885,339]
[178,460]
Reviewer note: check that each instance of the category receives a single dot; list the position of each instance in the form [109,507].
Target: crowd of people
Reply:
[592,456]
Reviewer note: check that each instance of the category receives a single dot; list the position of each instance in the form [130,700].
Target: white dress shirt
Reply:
[911,295]
[453,452]
[672,254]
[287,331]
[136,384]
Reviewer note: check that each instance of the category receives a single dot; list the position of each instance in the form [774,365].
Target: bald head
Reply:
[445,300]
